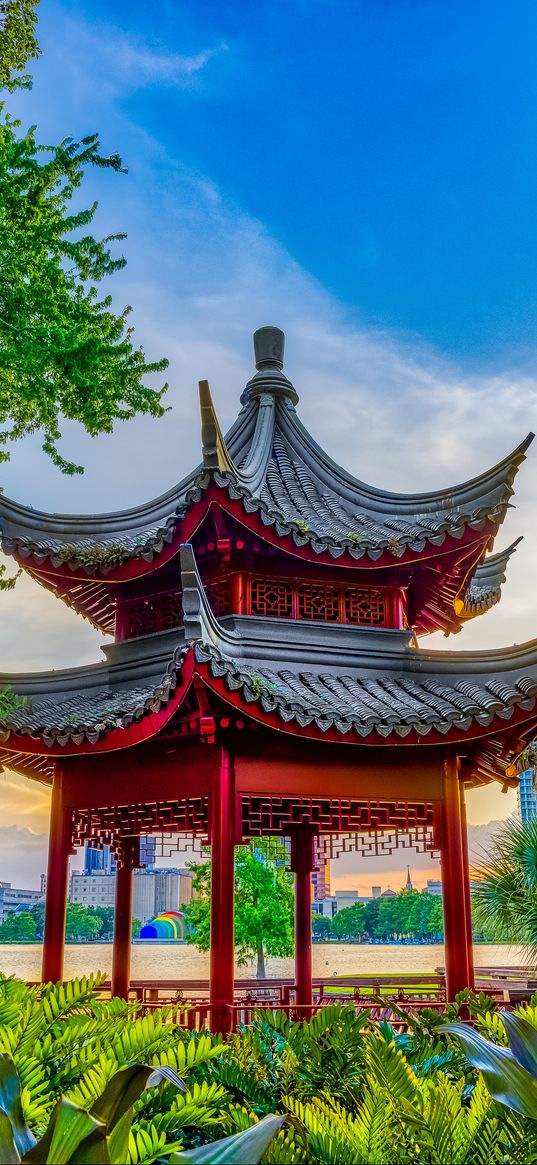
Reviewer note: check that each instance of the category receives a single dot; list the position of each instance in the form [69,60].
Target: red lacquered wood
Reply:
[222,894]
[302,863]
[57,880]
[454,885]
[121,956]
[467,895]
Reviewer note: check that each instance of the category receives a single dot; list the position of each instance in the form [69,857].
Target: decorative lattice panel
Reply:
[327,603]
[171,612]
[318,602]
[271,598]
[375,843]
[143,619]
[218,594]
[160,613]
[364,605]
[276,814]
[166,844]
[107,826]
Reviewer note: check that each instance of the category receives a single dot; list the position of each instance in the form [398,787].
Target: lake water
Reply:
[165,961]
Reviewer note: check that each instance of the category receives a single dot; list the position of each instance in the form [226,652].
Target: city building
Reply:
[434,886]
[12,899]
[376,891]
[527,796]
[320,878]
[154,891]
[98,860]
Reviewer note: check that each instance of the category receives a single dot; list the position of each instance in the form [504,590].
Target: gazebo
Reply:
[265,676]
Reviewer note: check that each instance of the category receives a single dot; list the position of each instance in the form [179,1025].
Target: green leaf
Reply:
[246,1148]
[10,1102]
[522,1040]
[126,1087]
[70,1127]
[8,1150]
[506,1079]
[115,1105]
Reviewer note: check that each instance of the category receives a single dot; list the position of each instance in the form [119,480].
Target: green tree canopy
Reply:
[321,925]
[18,928]
[82,922]
[349,922]
[263,905]
[18,43]
[64,351]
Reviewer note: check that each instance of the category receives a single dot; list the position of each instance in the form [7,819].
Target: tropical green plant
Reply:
[505,893]
[333,1090]
[103,1133]
[510,1072]
[263,904]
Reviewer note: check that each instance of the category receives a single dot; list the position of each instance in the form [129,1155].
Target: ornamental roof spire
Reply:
[269,346]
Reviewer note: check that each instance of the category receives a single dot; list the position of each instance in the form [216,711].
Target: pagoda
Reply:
[265,676]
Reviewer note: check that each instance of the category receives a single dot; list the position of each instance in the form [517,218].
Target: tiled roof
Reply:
[78,710]
[365,684]
[272,465]
[385,704]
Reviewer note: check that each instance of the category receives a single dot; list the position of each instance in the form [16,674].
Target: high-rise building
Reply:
[99,859]
[147,852]
[527,796]
[320,878]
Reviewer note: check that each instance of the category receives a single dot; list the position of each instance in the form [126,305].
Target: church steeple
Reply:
[409,885]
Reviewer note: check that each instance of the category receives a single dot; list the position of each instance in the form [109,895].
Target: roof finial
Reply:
[269,345]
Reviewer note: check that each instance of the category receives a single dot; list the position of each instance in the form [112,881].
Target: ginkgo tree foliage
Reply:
[65,352]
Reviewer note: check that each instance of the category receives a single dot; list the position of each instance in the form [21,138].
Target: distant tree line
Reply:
[411,916]
[83,924]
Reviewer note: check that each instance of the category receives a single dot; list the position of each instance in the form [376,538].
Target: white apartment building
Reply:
[154,891]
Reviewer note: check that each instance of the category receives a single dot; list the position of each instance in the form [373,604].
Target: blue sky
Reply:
[362,175]
[389,147]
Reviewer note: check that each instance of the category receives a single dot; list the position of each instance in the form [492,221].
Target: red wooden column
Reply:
[222,894]
[467,897]
[454,879]
[59,848]
[302,864]
[121,955]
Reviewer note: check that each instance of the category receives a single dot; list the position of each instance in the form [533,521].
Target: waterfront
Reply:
[167,961]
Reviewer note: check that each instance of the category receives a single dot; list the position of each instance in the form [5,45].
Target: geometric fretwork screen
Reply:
[326,603]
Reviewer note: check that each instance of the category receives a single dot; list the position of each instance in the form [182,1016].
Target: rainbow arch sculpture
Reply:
[170,925]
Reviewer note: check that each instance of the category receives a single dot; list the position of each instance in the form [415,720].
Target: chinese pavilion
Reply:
[265,675]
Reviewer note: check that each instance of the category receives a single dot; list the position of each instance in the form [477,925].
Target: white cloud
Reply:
[23,856]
